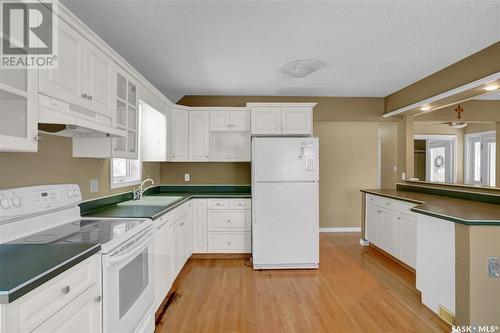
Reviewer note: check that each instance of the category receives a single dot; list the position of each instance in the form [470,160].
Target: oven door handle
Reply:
[136,249]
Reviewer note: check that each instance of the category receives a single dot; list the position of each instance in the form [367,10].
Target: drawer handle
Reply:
[387,203]
[240,204]
[66,290]
[228,221]
[228,243]
[399,217]
[379,211]
[218,204]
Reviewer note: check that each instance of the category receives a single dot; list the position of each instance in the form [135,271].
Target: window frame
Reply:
[483,138]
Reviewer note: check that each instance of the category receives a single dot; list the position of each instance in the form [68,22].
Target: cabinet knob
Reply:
[98,299]
[89,97]
[66,290]
[84,95]
[228,243]
[37,138]
[228,221]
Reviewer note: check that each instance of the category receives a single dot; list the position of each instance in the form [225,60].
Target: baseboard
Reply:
[221,255]
[347,229]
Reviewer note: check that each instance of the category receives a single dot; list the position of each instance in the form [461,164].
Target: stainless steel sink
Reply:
[151,201]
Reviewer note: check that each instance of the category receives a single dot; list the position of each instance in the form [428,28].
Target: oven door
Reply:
[128,285]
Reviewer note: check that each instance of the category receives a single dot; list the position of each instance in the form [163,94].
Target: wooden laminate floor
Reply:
[356,289]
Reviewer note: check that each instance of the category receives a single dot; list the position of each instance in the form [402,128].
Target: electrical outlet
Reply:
[187,177]
[493,267]
[94,185]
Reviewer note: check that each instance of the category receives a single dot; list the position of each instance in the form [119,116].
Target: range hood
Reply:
[64,119]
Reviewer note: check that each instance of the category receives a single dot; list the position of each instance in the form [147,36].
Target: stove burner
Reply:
[41,238]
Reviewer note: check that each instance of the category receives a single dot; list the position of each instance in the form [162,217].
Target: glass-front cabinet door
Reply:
[126,117]
[18,110]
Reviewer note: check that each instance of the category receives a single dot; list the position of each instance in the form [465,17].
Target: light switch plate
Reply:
[493,267]
[94,185]
[187,177]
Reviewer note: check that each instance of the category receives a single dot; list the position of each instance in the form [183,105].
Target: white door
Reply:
[480,159]
[239,121]
[219,121]
[126,116]
[200,226]
[389,231]
[285,159]
[18,110]
[153,134]
[230,146]
[179,135]
[266,120]
[372,223]
[98,80]
[187,233]
[296,120]
[176,248]
[163,260]
[408,240]
[66,82]
[439,161]
[82,315]
[199,135]
[285,225]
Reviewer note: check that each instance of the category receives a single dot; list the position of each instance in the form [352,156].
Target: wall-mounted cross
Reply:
[459,109]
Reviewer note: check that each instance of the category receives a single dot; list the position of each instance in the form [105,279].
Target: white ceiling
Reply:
[368,48]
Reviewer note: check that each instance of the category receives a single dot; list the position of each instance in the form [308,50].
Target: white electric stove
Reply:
[49,214]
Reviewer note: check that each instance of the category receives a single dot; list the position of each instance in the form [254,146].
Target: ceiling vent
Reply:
[301,68]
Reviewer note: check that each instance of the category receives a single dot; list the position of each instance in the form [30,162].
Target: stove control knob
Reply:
[17,201]
[76,193]
[70,193]
[5,203]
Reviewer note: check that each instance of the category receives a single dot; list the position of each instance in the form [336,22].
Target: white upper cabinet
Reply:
[282,118]
[126,113]
[178,134]
[153,134]
[230,120]
[199,135]
[219,121]
[296,120]
[84,76]
[99,80]
[230,135]
[66,82]
[18,110]
[266,120]
[239,121]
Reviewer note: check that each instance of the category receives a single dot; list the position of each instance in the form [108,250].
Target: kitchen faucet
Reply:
[139,192]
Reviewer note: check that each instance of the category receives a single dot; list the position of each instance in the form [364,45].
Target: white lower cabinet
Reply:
[199,226]
[70,302]
[83,314]
[163,258]
[390,225]
[229,226]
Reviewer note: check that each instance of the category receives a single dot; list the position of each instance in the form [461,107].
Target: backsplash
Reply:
[54,164]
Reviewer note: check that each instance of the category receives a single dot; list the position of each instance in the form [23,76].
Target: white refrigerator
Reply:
[285,203]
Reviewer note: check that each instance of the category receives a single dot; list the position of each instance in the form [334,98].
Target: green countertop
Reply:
[108,207]
[23,267]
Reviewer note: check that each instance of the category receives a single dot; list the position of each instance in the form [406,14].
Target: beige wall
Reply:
[206,173]
[348,163]
[328,108]
[54,164]
[475,110]
[431,128]
[388,135]
[474,67]
[477,295]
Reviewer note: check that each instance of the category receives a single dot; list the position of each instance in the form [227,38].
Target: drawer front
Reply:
[240,204]
[229,220]
[49,298]
[391,203]
[374,199]
[218,204]
[229,242]
[178,213]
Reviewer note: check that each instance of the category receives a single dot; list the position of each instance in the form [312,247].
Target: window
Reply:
[125,172]
[480,158]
